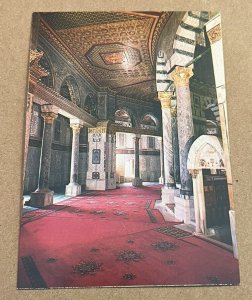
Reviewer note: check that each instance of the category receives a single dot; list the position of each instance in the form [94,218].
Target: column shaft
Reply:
[176,164]
[181,77]
[45,157]
[75,154]
[161,179]
[136,157]
[165,99]
[196,200]
[73,188]
[43,196]
[137,180]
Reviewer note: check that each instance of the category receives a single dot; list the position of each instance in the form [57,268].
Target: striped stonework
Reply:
[161,74]
[190,32]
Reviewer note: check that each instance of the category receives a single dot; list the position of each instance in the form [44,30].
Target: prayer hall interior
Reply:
[127,177]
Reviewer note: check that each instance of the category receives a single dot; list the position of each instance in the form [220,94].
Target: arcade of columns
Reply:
[182,141]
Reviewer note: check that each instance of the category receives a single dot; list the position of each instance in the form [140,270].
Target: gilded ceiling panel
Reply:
[67,20]
[116,49]
[90,43]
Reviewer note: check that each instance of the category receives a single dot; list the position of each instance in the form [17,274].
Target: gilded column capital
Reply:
[194,173]
[165,99]
[76,127]
[214,34]
[137,137]
[181,76]
[49,117]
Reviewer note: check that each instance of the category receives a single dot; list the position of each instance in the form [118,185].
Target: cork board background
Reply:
[15,21]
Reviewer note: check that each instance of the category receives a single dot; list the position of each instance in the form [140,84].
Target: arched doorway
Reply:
[211,202]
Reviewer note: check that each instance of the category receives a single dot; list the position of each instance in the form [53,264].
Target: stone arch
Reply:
[46,64]
[149,121]
[69,89]
[189,32]
[91,104]
[205,153]
[127,119]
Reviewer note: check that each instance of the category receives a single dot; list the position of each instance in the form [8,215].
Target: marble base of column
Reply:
[41,198]
[185,194]
[182,209]
[233,232]
[168,194]
[73,189]
[161,180]
[137,182]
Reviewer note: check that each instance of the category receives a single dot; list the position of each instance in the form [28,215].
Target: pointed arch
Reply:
[206,153]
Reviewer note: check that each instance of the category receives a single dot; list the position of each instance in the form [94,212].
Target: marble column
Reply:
[73,188]
[176,164]
[111,161]
[161,178]
[165,99]
[137,181]
[214,32]
[196,192]
[181,76]
[169,183]
[43,196]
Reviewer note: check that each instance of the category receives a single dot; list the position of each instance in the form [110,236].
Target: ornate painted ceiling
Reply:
[115,49]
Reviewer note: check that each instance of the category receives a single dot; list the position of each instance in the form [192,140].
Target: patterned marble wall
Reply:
[60,170]
[149,167]
[201,95]
[32,169]
[82,169]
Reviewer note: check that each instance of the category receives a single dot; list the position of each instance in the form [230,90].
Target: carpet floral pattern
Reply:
[110,239]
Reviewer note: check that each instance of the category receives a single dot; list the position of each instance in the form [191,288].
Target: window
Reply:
[121,139]
[151,142]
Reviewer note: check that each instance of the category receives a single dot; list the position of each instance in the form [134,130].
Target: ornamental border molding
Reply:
[214,34]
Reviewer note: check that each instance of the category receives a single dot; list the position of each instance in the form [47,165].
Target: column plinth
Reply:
[73,188]
[137,181]
[43,196]
[181,76]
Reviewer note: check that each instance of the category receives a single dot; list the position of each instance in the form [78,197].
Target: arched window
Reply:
[90,105]
[148,122]
[69,90]
[123,118]
[45,64]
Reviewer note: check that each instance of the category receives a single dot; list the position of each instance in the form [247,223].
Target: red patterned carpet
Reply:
[111,239]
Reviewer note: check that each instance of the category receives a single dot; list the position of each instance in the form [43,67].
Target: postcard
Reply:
[127,178]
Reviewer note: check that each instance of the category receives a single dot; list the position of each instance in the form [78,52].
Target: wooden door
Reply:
[216,198]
